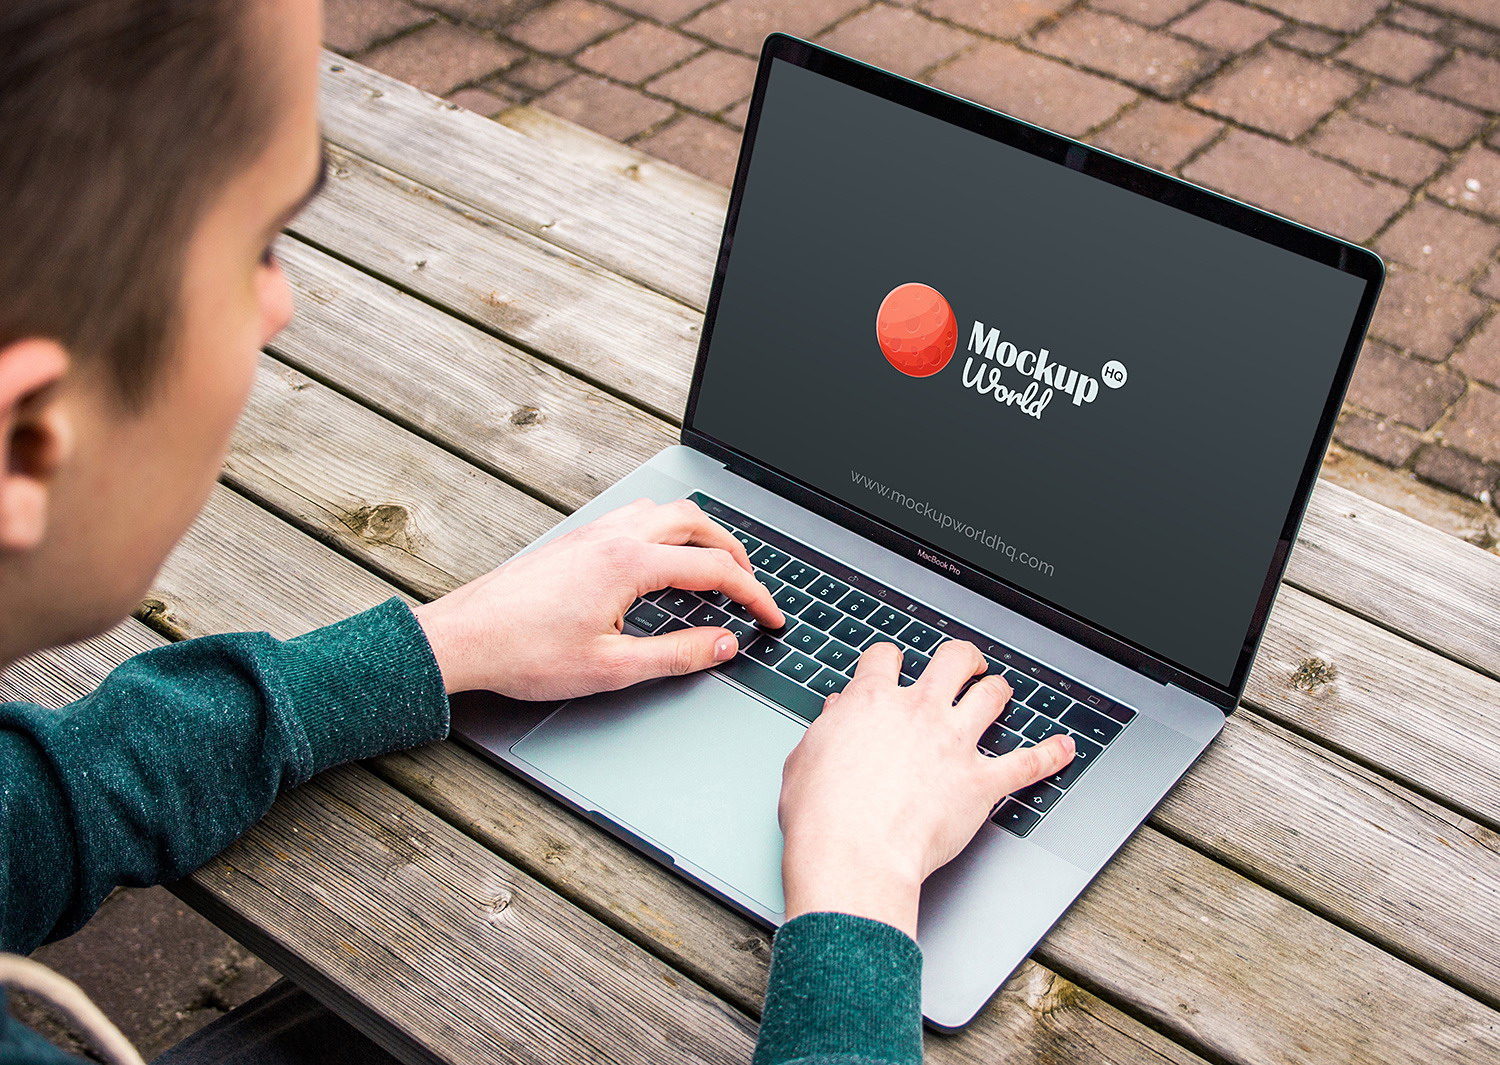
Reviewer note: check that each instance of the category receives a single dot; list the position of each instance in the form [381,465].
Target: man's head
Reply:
[150,150]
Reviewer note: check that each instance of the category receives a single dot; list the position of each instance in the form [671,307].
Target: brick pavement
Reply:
[1376,120]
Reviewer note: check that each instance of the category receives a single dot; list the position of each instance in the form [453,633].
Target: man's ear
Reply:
[36,439]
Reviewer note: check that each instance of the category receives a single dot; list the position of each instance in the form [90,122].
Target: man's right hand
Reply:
[888,783]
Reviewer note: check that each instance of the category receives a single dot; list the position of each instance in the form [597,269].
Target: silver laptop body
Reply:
[688,770]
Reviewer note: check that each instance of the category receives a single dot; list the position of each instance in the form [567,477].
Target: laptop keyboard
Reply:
[833,613]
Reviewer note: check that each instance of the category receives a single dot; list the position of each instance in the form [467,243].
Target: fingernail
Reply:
[724,650]
[1067,745]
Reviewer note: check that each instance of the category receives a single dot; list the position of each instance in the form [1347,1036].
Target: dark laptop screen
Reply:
[1132,391]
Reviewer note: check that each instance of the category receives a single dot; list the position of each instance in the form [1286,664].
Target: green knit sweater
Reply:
[183,748]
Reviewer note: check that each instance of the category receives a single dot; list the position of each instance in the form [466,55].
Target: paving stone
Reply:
[663,10]
[707,148]
[1227,26]
[1392,53]
[1423,314]
[1489,284]
[1340,15]
[1146,12]
[1479,357]
[489,13]
[1484,11]
[1416,19]
[1309,39]
[441,57]
[737,115]
[638,52]
[711,82]
[1419,114]
[351,26]
[1276,90]
[1033,88]
[897,39]
[604,106]
[538,74]
[1377,150]
[1293,182]
[743,24]
[1144,57]
[1468,78]
[1474,38]
[1158,134]
[482,101]
[998,18]
[1379,438]
[1439,241]
[565,26]
[1456,471]
[1473,181]
[1475,424]
[1393,386]
[148,961]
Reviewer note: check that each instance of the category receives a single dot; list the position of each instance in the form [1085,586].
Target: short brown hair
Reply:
[119,120]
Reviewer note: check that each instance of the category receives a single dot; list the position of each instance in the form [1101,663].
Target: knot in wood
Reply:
[1312,674]
[383,523]
[526,416]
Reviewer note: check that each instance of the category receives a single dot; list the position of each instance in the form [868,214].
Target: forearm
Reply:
[183,748]
[842,989]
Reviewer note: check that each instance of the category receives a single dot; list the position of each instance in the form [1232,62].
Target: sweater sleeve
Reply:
[183,748]
[843,990]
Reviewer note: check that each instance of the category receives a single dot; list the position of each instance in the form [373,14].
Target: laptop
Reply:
[961,377]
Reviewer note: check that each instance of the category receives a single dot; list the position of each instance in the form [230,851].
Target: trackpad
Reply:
[692,764]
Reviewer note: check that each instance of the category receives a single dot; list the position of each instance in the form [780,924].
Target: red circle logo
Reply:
[916,329]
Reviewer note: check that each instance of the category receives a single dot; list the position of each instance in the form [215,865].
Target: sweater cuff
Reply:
[365,685]
[842,984]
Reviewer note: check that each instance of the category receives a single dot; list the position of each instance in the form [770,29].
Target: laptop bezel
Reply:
[1252,221]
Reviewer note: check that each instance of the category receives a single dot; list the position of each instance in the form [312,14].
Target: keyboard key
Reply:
[744,631]
[707,615]
[1015,817]
[852,632]
[739,610]
[1084,721]
[827,589]
[769,559]
[889,620]
[828,682]
[920,636]
[1039,796]
[837,655]
[791,601]
[798,666]
[1042,727]
[779,689]
[1049,702]
[773,584]
[1020,683]
[820,616]
[676,601]
[1015,716]
[647,617]
[858,605]
[805,638]
[797,573]
[1085,752]
[997,740]
[913,662]
[752,545]
[767,649]
[672,625]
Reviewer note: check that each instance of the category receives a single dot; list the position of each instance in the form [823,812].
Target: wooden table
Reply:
[496,321]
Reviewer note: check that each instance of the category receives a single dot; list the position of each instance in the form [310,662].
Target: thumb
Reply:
[675,653]
[1027,765]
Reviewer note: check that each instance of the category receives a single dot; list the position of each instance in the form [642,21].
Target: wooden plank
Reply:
[515,417]
[520,180]
[1244,987]
[632,340]
[427,519]
[1327,867]
[1391,569]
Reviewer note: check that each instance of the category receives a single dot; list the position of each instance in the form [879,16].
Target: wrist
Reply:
[441,637]
[881,892]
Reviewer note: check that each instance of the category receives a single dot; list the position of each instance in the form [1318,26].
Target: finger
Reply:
[881,662]
[684,522]
[633,659]
[952,665]
[706,569]
[982,703]
[1027,765]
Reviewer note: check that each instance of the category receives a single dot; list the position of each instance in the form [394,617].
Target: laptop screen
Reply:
[1103,400]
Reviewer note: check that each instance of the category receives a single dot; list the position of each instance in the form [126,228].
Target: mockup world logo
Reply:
[918,334]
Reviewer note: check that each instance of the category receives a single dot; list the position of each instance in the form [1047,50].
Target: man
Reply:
[150,152]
